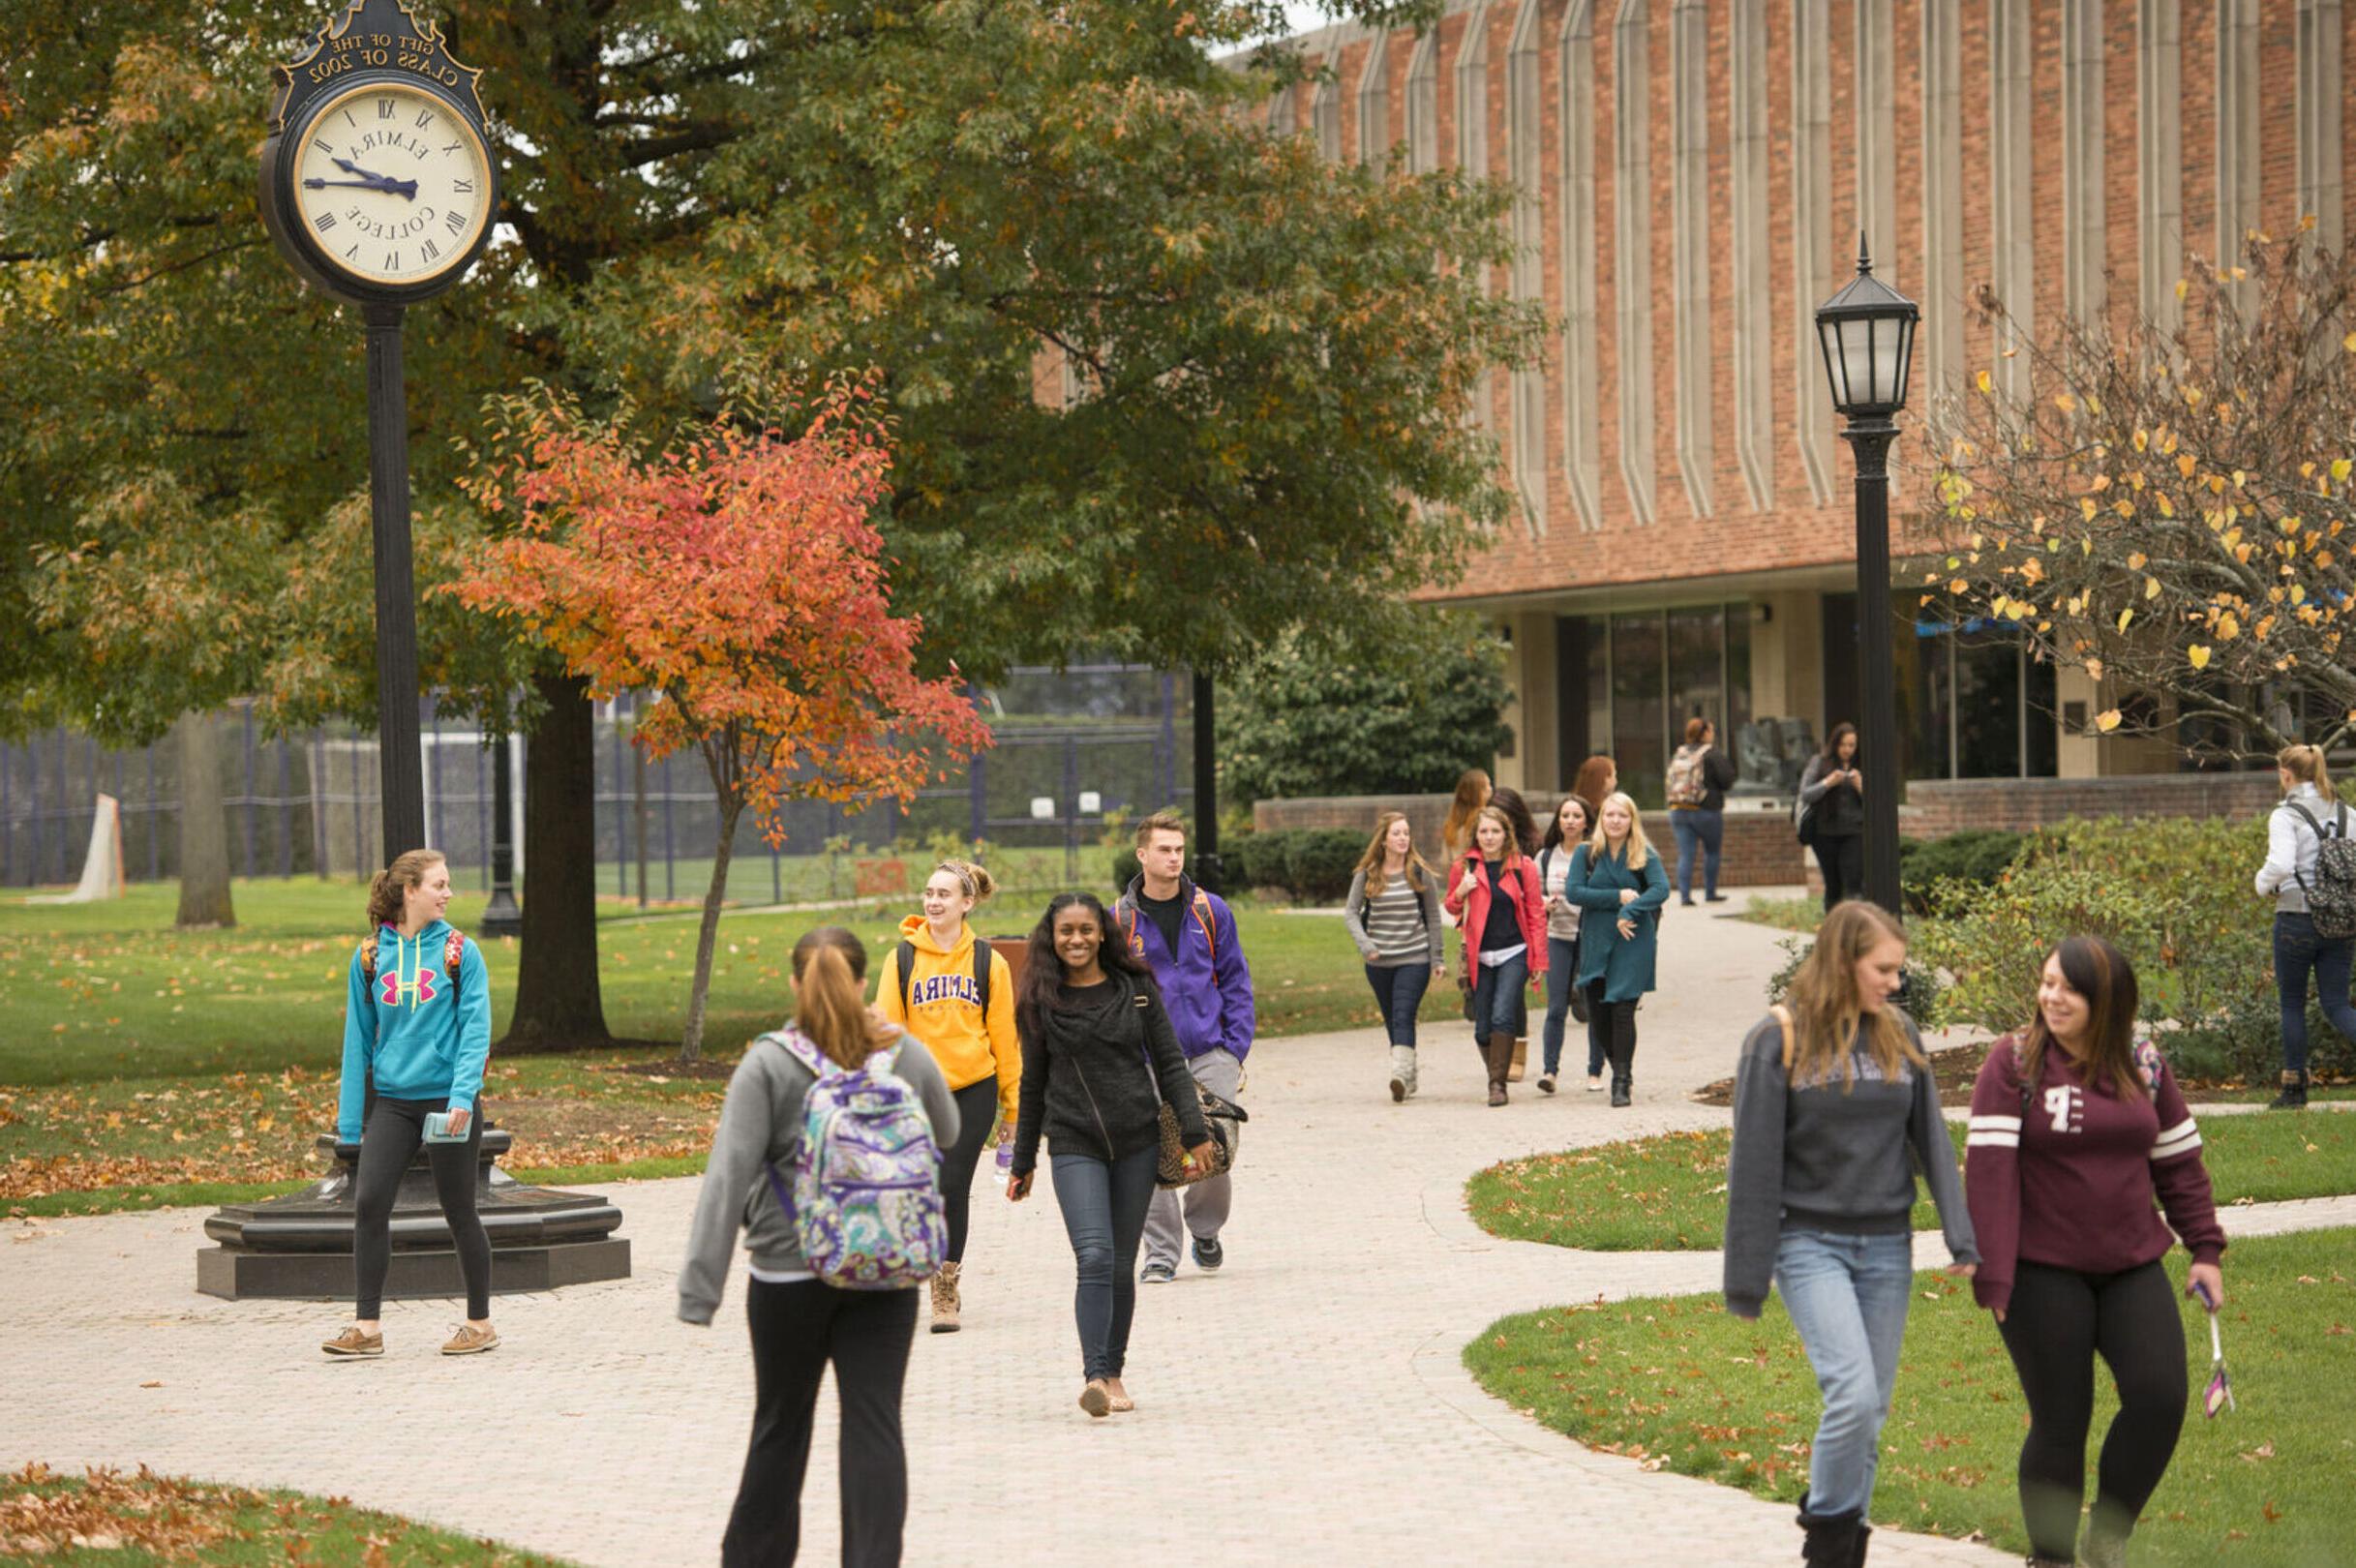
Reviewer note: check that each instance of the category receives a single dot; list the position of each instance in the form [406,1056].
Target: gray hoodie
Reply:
[1812,1156]
[762,1119]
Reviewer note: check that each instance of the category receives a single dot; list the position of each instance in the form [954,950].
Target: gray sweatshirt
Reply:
[1419,944]
[1814,1158]
[762,1119]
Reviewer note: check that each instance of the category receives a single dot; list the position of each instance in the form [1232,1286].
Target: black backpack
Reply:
[983,952]
[2331,902]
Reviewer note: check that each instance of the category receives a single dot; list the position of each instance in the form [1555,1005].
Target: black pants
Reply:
[797,1329]
[2057,1322]
[389,1139]
[1842,861]
[977,1112]
[1610,1032]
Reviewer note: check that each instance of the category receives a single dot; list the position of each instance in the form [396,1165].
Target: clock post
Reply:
[379,187]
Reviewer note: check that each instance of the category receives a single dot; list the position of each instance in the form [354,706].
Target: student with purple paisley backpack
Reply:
[800,1324]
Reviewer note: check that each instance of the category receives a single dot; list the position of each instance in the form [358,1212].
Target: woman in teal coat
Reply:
[1619,885]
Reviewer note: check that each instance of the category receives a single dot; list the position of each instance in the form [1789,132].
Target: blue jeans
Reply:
[1398,990]
[1846,1296]
[1561,969]
[2297,949]
[1496,999]
[1103,1203]
[1707,829]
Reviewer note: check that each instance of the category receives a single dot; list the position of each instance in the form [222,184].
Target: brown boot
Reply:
[1520,1059]
[945,1302]
[1500,1059]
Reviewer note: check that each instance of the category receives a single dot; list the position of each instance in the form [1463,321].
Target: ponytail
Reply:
[388,889]
[2306,766]
[830,971]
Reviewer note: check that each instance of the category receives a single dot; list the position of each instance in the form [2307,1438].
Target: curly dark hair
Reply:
[1043,967]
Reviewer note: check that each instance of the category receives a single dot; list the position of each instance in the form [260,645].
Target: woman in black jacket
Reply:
[1090,1018]
[1832,796]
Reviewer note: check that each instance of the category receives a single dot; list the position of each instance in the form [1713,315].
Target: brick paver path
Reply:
[1305,1406]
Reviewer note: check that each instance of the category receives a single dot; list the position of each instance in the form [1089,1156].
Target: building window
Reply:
[1632,253]
[1423,106]
[1325,113]
[1374,102]
[1627,684]
[1689,246]
[1582,380]
[1522,149]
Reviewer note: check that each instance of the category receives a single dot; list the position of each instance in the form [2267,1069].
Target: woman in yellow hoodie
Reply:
[953,992]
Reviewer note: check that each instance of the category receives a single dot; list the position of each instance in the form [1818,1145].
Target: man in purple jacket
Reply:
[1187,937]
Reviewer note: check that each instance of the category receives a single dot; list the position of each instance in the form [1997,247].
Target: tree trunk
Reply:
[708,934]
[558,1007]
[204,825]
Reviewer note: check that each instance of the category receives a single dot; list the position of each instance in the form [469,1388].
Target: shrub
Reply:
[1975,855]
[1125,867]
[1319,862]
[1924,996]
[2173,894]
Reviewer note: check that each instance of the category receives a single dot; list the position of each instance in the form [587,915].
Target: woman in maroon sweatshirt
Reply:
[2078,1126]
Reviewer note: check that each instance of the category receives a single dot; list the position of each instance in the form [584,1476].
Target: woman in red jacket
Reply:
[2078,1126]
[1497,904]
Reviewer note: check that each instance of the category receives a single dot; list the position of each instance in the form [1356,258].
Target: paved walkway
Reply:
[1305,1405]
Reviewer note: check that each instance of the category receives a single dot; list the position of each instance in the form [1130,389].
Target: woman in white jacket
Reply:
[2310,812]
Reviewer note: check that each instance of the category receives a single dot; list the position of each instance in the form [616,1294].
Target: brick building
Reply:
[1693,176]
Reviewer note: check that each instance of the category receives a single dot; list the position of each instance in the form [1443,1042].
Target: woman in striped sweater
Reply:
[2079,1142]
[1393,915]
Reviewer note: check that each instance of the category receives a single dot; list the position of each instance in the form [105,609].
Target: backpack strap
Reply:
[368,959]
[984,954]
[1210,927]
[905,956]
[2314,828]
[1783,1021]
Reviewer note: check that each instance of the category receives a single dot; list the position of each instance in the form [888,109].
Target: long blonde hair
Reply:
[1599,847]
[2306,766]
[1378,852]
[388,889]
[1471,794]
[1827,1008]
[831,1007]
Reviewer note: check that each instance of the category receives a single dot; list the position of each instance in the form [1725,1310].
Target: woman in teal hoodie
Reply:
[416,1032]
[1618,887]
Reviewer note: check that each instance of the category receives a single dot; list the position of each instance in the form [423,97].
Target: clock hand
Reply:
[381,182]
[390,187]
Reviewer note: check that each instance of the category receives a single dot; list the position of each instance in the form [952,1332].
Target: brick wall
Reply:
[1759,848]
[1939,807]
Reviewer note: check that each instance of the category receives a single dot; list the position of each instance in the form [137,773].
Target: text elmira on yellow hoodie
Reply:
[943,1010]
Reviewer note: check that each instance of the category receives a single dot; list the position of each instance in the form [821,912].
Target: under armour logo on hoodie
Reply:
[415,987]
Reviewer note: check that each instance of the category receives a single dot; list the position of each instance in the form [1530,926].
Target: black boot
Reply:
[1623,1051]
[1833,1538]
[2294,1093]
[1857,1554]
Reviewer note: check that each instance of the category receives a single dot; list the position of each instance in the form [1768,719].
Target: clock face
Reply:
[392,184]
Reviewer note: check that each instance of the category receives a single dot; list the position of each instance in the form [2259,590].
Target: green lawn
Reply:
[1802,913]
[140,1065]
[1668,1193]
[140,1520]
[1677,1383]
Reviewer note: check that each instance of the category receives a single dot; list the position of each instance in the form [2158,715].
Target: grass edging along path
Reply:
[1677,1383]
[110,1517]
[1668,1192]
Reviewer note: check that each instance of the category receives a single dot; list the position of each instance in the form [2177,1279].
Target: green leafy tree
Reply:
[1404,710]
[988,202]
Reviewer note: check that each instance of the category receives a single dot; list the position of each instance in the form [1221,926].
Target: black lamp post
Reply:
[502,917]
[1867,332]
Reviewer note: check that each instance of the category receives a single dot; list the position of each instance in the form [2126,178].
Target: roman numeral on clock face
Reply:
[431,250]
[463,186]
[323,146]
[425,119]
[392,261]
[457,222]
[325,222]
[384,109]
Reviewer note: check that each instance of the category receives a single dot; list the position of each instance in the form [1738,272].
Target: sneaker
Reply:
[1157,1274]
[1594,1083]
[1096,1400]
[471,1340]
[945,1299]
[1209,1255]
[1546,1083]
[353,1342]
[1715,898]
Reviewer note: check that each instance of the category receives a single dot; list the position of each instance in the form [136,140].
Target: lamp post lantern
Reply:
[1867,334]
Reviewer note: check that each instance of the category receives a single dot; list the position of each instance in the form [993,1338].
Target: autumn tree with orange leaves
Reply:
[2168,509]
[738,576]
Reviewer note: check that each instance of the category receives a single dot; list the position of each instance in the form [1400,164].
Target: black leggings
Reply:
[2058,1321]
[1842,860]
[389,1139]
[977,1112]
[798,1328]
[1610,1032]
